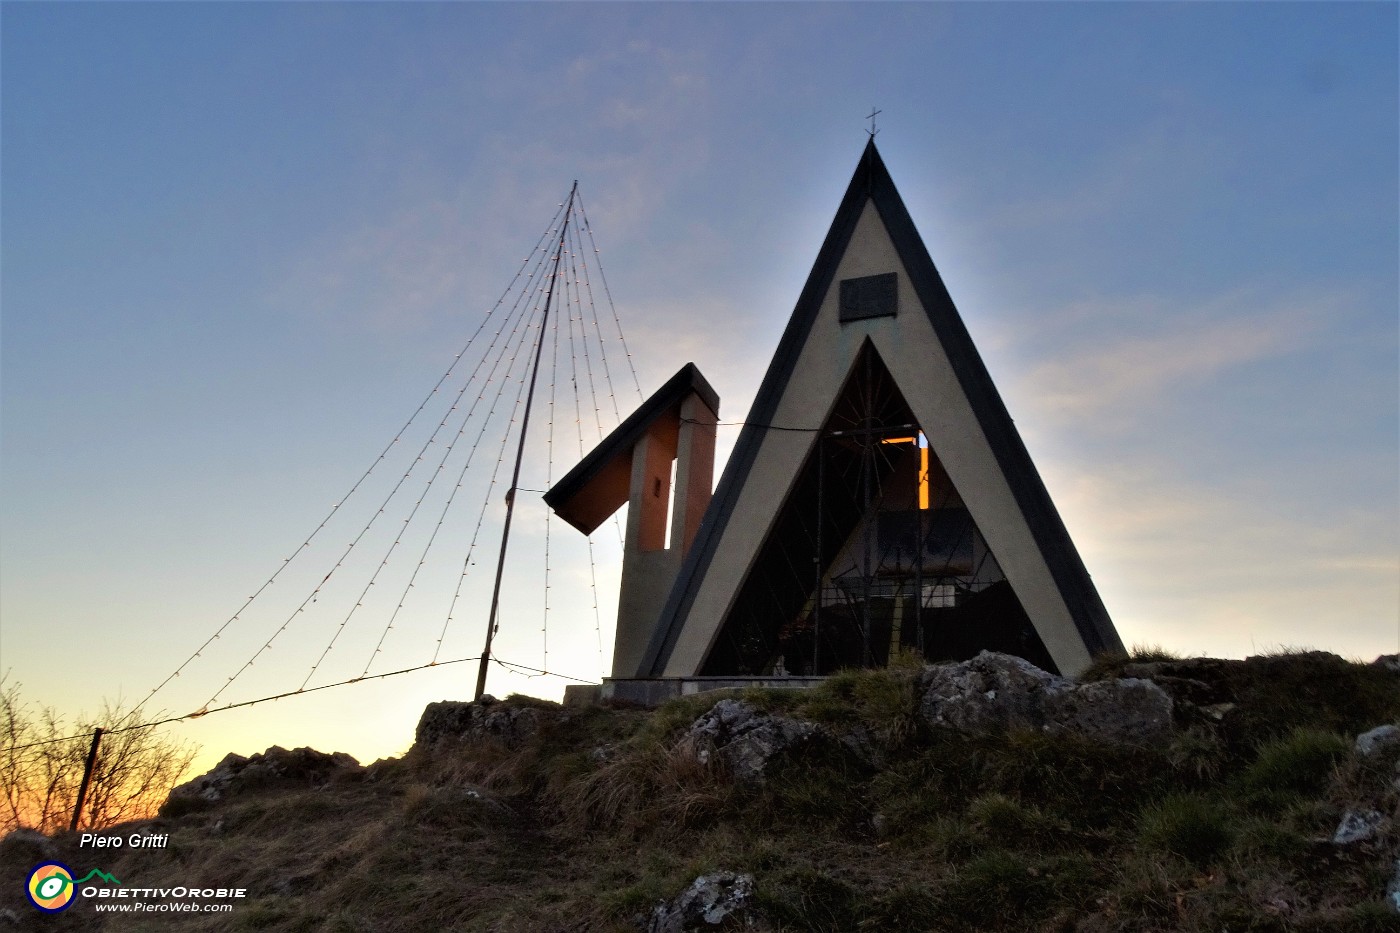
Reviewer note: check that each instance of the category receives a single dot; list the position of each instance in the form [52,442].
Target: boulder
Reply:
[1377,740]
[707,903]
[1390,662]
[995,692]
[483,719]
[237,773]
[745,738]
[1127,710]
[990,692]
[1358,826]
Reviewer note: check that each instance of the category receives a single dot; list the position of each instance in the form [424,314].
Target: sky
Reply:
[240,243]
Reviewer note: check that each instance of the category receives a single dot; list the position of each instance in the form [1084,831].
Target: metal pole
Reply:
[920,542]
[867,465]
[87,776]
[821,570]
[520,455]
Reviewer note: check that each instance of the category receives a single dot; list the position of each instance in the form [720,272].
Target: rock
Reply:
[236,774]
[864,747]
[486,718]
[993,692]
[1200,682]
[708,902]
[990,692]
[1358,826]
[1377,740]
[747,739]
[1217,712]
[1390,662]
[1127,710]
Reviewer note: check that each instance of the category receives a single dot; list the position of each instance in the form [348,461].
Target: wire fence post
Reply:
[87,776]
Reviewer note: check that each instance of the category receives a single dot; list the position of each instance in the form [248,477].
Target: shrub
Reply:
[42,762]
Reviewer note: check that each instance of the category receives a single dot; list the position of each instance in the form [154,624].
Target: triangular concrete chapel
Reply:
[878,498]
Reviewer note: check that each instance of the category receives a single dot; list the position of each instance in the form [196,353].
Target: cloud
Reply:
[1122,357]
[1199,569]
[393,273]
[1163,159]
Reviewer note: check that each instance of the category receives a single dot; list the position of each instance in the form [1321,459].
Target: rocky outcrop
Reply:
[747,739]
[710,901]
[236,774]
[483,719]
[996,692]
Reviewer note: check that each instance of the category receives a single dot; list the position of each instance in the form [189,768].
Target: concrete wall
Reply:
[920,367]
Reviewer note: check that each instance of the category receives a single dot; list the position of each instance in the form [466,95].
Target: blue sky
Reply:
[241,241]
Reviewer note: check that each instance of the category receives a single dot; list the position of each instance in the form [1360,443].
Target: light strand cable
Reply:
[315,593]
[200,714]
[588,228]
[467,562]
[548,482]
[598,422]
[336,506]
[587,355]
[578,426]
[514,355]
[587,285]
[617,414]
[513,321]
[513,666]
[492,619]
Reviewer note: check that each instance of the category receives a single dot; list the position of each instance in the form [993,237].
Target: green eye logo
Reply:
[50,887]
[53,886]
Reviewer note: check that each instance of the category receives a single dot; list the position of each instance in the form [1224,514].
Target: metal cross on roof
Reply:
[871,117]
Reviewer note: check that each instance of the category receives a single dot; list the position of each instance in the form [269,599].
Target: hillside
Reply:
[953,798]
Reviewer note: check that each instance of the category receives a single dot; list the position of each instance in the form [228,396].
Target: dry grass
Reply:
[585,826]
[646,787]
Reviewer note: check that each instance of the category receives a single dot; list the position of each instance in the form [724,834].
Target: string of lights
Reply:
[383,454]
[426,486]
[201,713]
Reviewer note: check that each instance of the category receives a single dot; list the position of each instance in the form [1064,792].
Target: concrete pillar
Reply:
[650,562]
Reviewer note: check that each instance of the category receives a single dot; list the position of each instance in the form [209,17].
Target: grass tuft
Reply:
[1300,764]
[1197,828]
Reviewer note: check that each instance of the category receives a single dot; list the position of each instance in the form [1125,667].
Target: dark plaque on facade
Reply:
[869,296]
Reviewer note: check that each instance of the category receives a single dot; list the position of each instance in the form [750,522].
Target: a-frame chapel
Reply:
[878,497]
